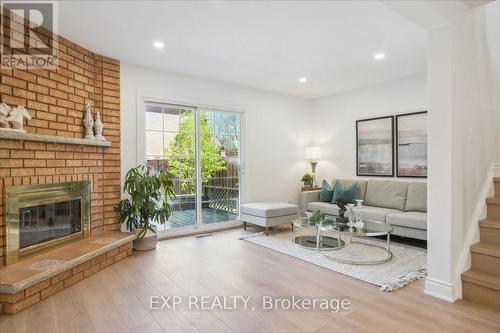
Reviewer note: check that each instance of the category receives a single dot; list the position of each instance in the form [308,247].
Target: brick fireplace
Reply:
[55,100]
[52,153]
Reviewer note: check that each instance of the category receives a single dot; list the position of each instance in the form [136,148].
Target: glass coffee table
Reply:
[342,232]
[308,236]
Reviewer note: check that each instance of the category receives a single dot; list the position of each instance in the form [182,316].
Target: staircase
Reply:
[481,283]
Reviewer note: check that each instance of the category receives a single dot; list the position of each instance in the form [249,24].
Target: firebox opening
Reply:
[49,221]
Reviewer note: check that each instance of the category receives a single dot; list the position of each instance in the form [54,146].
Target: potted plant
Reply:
[316,217]
[307,179]
[149,192]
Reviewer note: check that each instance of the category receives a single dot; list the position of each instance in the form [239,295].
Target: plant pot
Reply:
[308,183]
[146,243]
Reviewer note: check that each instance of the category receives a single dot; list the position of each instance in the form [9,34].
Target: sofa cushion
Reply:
[377,213]
[387,194]
[415,220]
[346,192]
[361,185]
[326,193]
[324,207]
[268,209]
[417,197]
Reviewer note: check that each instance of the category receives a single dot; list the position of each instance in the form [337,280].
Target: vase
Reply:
[350,214]
[146,243]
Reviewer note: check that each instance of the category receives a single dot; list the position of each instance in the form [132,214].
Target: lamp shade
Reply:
[313,153]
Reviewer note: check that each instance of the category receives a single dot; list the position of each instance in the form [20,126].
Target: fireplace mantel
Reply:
[21,136]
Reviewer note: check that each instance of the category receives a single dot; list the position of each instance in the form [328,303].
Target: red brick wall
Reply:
[55,99]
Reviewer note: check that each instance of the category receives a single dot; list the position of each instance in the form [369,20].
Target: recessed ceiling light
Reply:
[158,44]
[379,56]
[303,80]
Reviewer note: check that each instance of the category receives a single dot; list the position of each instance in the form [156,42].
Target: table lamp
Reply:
[313,154]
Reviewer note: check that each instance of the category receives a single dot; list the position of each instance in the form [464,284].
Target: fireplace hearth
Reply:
[40,217]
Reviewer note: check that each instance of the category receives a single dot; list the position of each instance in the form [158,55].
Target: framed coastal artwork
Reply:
[375,147]
[411,143]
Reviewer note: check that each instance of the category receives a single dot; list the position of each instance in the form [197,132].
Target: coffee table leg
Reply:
[388,241]
[318,236]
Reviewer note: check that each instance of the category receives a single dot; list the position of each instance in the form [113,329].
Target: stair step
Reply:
[485,257]
[493,200]
[481,287]
[496,183]
[487,280]
[486,249]
[489,231]
[490,223]
[493,207]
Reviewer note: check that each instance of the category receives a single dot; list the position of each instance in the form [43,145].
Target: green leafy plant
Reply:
[307,178]
[181,153]
[316,217]
[149,193]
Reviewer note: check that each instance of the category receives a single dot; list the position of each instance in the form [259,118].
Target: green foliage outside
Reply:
[181,152]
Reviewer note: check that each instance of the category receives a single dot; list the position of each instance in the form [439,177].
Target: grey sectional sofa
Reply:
[401,204]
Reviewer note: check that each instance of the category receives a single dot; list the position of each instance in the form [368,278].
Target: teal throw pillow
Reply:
[348,193]
[326,193]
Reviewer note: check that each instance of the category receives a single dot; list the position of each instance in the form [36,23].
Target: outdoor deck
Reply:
[185,218]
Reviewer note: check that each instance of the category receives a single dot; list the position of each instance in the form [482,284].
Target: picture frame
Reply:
[411,145]
[375,147]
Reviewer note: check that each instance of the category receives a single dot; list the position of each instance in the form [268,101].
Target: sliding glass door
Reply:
[220,165]
[201,148]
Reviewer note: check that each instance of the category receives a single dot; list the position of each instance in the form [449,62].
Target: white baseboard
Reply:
[439,289]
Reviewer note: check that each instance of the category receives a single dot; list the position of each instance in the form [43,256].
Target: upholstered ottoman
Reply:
[267,214]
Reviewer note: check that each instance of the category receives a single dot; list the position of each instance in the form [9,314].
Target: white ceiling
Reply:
[265,45]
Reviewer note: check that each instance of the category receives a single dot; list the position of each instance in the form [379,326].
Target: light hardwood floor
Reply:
[117,298]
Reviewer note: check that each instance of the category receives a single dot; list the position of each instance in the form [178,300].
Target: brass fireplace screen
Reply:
[42,216]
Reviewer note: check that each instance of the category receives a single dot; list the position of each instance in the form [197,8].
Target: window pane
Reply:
[233,124]
[154,121]
[154,143]
[171,121]
[187,119]
[170,141]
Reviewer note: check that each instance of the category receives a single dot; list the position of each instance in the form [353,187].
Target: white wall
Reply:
[275,126]
[463,86]
[335,119]
[475,122]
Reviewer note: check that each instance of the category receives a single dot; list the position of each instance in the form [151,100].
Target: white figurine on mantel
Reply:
[98,126]
[16,118]
[89,123]
[4,112]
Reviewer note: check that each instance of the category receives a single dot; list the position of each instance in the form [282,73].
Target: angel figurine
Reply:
[17,116]
[88,122]
[4,112]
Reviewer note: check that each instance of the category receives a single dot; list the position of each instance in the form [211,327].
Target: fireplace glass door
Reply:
[42,223]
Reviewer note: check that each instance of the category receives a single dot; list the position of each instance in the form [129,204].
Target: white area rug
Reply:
[408,263]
